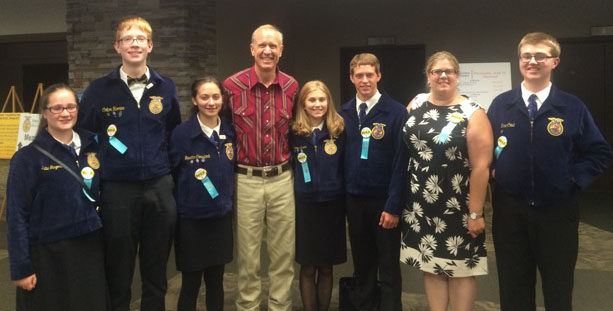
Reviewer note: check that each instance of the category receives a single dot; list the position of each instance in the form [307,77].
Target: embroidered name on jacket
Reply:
[51,168]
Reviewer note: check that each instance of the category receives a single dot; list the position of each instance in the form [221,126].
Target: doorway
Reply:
[586,71]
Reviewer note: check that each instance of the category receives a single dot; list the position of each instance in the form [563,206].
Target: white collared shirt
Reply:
[76,142]
[319,127]
[137,89]
[541,95]
[207,130]
[371,102]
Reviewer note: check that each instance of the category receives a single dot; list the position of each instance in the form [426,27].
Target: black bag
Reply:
[347,294]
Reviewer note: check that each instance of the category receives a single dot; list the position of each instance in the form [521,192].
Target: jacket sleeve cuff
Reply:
[21,270]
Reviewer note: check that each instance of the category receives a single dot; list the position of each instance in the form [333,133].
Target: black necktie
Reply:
[532,106]
[215,138]
[132,81]
[72,149]
[362,114]
[314,136]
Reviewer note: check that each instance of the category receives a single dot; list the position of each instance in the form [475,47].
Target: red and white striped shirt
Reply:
[261,116]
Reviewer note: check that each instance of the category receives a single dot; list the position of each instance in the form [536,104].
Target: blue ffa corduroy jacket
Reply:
[384,172]
[547,161]
[143,130]
[191,150]
[45,203]
[325,163]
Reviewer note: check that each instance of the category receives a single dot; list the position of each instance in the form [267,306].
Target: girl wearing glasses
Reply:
[450,142]
[202,155]
[317,144]
[54,239]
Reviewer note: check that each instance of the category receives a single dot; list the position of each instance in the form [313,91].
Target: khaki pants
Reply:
[265,203]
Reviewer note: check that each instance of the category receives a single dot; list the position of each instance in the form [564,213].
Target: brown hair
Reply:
[334,122]
[540,38]
[364,59]
[209,79]
[128,22]
[440,56]
[44,101]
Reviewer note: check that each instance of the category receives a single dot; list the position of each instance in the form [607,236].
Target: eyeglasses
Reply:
[140,40]
[60,109]
[539,58]
[447,72]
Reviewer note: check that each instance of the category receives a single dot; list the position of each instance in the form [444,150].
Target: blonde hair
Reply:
[267,27]
[440,56]
[128,22]
[364,59]
[534,38]
[334,122]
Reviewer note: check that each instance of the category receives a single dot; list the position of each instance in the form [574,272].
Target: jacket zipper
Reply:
[532,161]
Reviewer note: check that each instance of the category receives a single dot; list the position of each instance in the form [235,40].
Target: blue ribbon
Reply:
[117,144]
[208,185]
[442,137]
[497,151]
[365,143]
[305,172]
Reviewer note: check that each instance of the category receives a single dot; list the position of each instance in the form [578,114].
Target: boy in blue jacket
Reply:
[134,109]
[547,148]
[376,162]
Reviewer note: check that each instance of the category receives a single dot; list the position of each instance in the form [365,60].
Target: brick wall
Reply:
[184,39]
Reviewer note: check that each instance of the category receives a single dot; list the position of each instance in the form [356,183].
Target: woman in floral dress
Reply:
[450,142]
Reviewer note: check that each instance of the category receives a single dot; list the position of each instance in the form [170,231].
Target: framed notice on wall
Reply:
[16,131]
[484,81]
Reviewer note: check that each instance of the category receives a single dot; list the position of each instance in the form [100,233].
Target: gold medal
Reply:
[93,161]
[155,105]
[330,147]
[378,130]
[229,151]
[555,127]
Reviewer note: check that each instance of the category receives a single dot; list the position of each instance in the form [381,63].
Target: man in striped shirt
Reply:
[261,99]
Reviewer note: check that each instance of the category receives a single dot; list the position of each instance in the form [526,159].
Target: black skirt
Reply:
[202,243]
[69,274]
[320,233]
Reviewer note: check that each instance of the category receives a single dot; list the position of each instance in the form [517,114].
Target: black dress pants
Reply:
[527,238]
[138,217]
[375,251]
[190,286]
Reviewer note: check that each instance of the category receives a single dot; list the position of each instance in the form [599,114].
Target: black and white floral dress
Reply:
[435,235]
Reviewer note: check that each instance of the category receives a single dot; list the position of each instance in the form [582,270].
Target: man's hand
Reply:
[388,221]
[28,283]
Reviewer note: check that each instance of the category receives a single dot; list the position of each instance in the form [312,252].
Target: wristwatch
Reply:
[474,216]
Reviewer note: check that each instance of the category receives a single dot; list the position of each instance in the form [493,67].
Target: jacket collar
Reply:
[47,142]
[154,77]
[194,130]
[549,103]
[382,106]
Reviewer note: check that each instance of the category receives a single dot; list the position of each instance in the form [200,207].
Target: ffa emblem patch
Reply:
[93,161]
[555,127]
[378,130]
[27,125]
[330,147]
[155,106]
[229,151]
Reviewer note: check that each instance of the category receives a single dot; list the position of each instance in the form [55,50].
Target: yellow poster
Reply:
[9,128]
[16,130]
